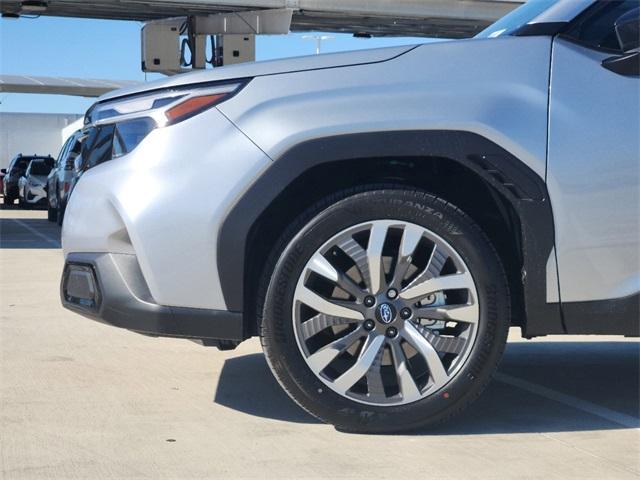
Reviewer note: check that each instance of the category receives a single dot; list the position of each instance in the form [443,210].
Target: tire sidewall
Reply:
[439,217]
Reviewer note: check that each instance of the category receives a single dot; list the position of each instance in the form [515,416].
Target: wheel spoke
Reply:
[359,256]
[375,386]
[421,344]
[322,267]
[349,286]
[374,256]
[325,355]
[410,238]
[432,285]
[434,266]
[322,305]
[408,388]
[321,321]
[456,313]
[366,358]
[443,344]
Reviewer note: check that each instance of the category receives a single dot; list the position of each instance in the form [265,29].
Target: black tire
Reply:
[334,215]
[52,213]
[22,201]
[60,212]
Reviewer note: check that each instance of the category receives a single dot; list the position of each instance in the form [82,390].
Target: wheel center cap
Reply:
[385,313]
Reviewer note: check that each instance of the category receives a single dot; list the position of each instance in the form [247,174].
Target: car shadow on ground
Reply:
[602,375]
[18,232]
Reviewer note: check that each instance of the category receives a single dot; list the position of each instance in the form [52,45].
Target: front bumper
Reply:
[164,202]
[36,195]
[110,288]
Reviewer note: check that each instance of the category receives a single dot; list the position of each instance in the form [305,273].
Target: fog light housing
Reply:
[80,286]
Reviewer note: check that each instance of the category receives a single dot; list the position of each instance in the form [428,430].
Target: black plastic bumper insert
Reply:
[111,289]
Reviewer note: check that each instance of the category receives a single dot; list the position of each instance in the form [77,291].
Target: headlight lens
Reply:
[127,135]
[115,127]
[165,107]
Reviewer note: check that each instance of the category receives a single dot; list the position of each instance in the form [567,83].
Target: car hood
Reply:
[270,67]
[38,178]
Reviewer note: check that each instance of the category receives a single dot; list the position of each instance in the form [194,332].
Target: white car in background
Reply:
[32,186]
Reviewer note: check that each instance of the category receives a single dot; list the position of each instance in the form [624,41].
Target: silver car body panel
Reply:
[268,67]
[164,202]
[457,85]
[426,88]
[594,175]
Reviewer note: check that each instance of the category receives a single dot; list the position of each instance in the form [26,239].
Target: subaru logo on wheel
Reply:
[386,313]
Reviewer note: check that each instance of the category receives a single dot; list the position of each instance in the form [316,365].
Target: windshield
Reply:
[40,167]
[516,19]
[20,166]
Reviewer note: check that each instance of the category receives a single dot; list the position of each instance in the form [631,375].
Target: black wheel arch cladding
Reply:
[520,186]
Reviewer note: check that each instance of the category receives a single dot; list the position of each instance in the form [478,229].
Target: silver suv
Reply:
[380,218]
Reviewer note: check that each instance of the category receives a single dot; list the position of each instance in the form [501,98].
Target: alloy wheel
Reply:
[385,313]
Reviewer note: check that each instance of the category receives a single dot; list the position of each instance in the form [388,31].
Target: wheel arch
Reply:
[495,188]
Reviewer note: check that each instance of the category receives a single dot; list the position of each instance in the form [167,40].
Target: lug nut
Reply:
[369,325]
[369,301]
[392,293]
[405,313]
[392,332]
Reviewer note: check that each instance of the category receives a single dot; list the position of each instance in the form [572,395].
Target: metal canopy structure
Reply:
[60,85]
[429,18]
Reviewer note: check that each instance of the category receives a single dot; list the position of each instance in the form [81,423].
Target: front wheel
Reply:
[386,311]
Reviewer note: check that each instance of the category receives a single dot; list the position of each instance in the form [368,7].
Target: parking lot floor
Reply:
[81,400]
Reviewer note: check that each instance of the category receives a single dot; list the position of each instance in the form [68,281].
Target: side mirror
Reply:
[628,32]
[3,170]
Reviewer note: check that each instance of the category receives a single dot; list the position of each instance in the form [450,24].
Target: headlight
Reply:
[165,107]
[115,127]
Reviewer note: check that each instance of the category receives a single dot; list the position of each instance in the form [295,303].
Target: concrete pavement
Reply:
[81,400]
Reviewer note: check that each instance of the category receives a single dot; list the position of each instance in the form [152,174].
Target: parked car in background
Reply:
[16,169]
[32,186]
[60,180]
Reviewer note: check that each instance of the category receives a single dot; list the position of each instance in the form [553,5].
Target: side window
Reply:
[63,151]
[595,28]
[74,151]
[13,165]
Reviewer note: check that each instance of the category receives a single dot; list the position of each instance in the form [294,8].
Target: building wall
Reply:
[31,133]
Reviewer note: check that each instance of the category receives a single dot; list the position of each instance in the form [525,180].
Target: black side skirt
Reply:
[619,316]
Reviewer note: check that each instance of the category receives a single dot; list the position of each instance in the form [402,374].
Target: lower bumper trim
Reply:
[110,288]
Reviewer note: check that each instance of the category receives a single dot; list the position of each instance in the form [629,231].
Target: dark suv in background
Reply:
[16,169]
